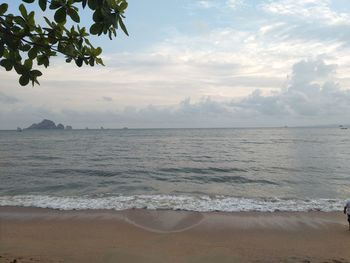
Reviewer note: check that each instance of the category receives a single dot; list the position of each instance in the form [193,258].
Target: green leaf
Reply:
[20,69]
[32,53]
[3,8]
[43,4]
[46,62]
[97,16]
[28,64]
[73,15]
[84,3]
[88,42]
[28,1]
[25,47]
[24,80]
[48,21]
[7,64]
[23,10]
[92,4]
[60,15]
[99,61]
[112,3]
[55,4]
[43,60]
[98,51]
[122,26]
[80,42]
[79,62]
[69,50]
[36,81]
[96,28]
[20,21]
[31,21]
[91,62]
[36,73]
[123,6]
[2,49]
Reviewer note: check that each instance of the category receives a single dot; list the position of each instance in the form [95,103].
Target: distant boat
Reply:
[343,128]
[102,128]
[125,128]
[19,129]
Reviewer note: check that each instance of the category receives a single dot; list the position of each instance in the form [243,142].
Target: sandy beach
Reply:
[44,235]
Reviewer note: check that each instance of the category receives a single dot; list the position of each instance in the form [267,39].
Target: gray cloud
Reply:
[311,97]
[7,99]
[108,99]
[312,91]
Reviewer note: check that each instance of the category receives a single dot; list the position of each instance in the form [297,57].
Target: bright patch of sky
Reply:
[201,63]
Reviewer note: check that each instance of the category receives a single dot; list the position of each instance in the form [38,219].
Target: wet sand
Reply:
[44,235]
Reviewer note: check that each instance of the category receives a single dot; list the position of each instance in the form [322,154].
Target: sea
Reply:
[230,170]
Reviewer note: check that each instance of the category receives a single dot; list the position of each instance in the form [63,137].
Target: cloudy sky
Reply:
[201,63]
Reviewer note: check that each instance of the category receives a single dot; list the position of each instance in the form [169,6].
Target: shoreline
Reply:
[199,203]
[140,235]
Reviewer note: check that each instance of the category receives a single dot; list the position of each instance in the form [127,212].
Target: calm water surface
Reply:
[174,167]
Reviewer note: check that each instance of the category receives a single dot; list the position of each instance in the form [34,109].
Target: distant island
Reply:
[48,125]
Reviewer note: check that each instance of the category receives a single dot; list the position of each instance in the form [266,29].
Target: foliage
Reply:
[23,42]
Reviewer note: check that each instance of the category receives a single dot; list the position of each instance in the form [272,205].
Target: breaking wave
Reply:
[173,202]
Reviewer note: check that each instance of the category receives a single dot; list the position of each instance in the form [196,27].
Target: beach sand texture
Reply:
[45,235]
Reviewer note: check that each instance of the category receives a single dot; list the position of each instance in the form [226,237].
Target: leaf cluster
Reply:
[23,42]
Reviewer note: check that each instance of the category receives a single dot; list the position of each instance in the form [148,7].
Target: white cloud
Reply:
[311,96]
[219,5]
[240,67]
[224,64]
[311,91]
[307,9]
[206,4]
[234,3]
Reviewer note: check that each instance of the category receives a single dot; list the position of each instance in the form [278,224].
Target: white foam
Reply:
[173,202]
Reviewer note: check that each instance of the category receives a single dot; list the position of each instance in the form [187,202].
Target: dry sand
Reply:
[44,235]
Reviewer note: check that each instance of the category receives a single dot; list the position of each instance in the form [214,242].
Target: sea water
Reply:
[265,169]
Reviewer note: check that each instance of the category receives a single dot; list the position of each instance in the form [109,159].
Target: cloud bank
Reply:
[311,96]
[224,63]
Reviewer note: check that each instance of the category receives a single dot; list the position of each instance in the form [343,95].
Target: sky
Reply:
[200,63]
